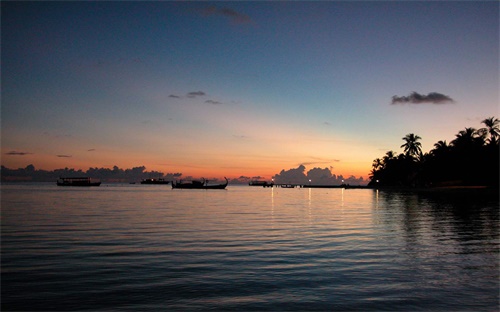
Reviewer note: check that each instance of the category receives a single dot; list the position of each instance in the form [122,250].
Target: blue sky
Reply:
[240,88]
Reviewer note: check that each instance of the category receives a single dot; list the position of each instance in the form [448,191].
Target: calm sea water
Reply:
[147,247]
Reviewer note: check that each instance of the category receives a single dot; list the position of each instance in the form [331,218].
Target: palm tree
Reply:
[492,128]
[465,138]
[412,147]
[440,147]
[377,163]
[388,157]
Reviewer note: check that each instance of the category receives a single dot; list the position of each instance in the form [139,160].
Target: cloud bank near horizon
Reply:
[417,98]
[316,176]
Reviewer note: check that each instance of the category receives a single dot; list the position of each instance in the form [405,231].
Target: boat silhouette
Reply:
[197,184]
[77,181]
[154,181]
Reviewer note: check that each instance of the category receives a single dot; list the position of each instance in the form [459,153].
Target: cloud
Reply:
[213,102]
[240,180]
[91,150]
[15,153]
[318,176]
[234,16]
[64,156]
[294,175]
[191,95]
[316,161]
[195,94]
[417,98]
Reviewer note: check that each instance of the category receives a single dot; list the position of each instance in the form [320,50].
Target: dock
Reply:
[344,186]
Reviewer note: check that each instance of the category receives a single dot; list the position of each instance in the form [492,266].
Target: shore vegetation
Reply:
[470,159]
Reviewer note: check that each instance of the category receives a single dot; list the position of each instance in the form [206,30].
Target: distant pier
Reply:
[301,185]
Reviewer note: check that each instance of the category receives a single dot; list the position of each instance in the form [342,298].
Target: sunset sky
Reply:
[240,88]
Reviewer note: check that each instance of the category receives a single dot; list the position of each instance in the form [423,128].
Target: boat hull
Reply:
[197,185]
[154,181]
[78,184]
[207,187]
[77,181]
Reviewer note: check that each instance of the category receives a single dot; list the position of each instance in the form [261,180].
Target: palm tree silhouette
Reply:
[466,138]
[377,163]
[412,147]
[471,158]
[492,128]
[440,148]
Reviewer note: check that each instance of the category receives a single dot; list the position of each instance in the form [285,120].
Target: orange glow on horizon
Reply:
[50,163]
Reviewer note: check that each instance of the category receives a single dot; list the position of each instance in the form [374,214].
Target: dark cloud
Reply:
[213,102]
[174,96]
[91,150]
[318,176]
[64,156]
[234,16]
[240,180]
[195,94]
[417,98]
[15,153]
[294,175]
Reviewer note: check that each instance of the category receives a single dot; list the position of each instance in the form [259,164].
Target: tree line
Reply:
[472,158]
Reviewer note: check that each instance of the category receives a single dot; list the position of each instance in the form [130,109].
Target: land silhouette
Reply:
[471,159]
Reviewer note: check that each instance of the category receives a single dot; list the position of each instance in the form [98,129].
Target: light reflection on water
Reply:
[149,247]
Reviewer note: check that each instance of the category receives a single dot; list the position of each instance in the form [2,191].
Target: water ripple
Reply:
[137,248]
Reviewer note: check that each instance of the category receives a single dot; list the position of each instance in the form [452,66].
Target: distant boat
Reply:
[261,183]
[202,185]
[154,181]
[79,181]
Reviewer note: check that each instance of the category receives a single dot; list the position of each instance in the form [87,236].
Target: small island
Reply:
[470,160]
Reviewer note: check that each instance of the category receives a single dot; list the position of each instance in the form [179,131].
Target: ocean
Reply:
[122,247]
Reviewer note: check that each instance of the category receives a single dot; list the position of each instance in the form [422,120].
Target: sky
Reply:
[241,88]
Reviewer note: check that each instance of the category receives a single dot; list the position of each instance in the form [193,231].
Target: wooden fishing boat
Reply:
[201,185]
[77,181]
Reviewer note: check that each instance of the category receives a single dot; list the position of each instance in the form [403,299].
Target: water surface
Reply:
[148,247]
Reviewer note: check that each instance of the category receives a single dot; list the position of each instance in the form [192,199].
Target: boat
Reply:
[154,181]
[77,181]
[261,183]
[201,185]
